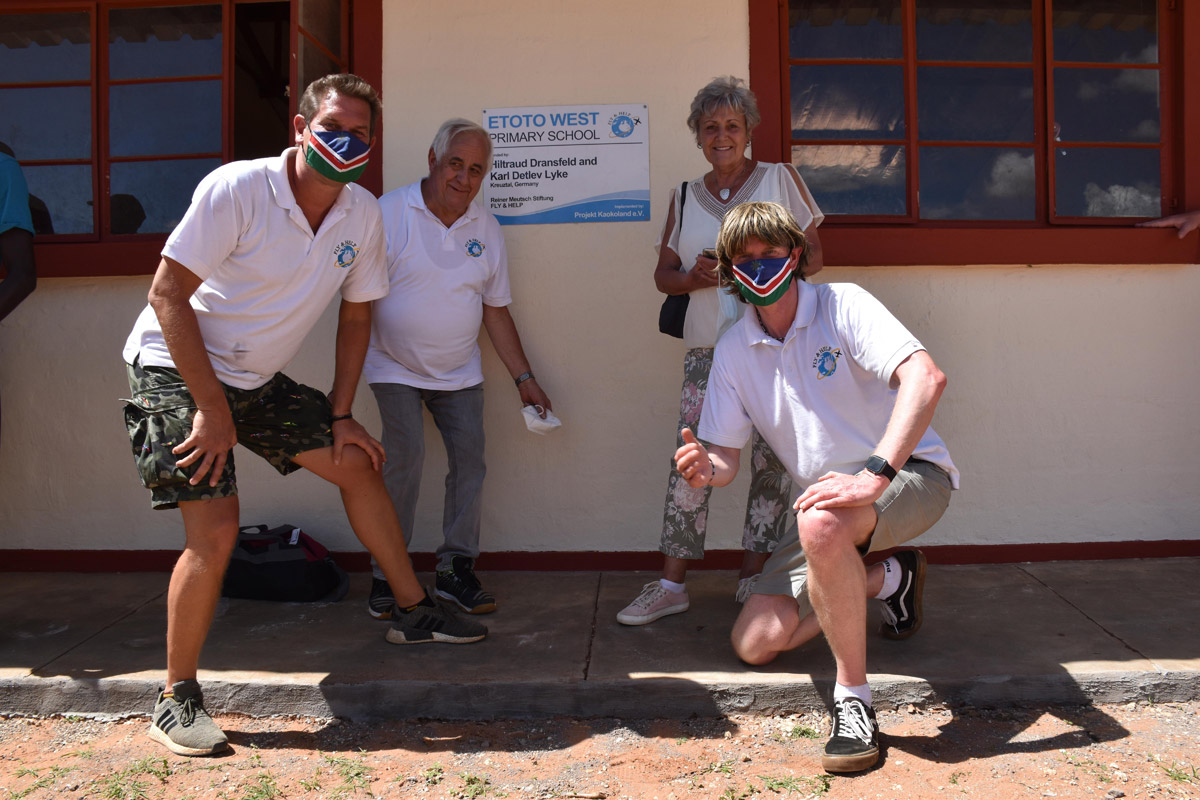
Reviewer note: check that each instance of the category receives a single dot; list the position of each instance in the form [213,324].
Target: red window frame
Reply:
[871,242]
[99,254]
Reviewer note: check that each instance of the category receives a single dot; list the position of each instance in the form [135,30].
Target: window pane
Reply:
[847,102]
[956,30]
[165,118]
[850,179]
[1107,182]
[47,123]
[67,193]
[323,20]
[163,190]
[977,183]
[848,29]
[164,42]
[1113,32]
[314,63]
[975,104]
[1106,105]
[45,47]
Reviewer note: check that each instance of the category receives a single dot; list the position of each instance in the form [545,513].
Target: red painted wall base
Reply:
[572,561]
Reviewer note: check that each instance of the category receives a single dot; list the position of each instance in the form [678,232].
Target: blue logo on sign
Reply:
[345,253]
[622,125]
[475,248]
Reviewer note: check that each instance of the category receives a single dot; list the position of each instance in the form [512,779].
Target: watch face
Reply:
[876,464]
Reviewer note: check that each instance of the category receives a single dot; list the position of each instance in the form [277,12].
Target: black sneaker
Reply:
[902,610]
[181,724]
[854,745]
[381,600]
[460,585]
[430,622]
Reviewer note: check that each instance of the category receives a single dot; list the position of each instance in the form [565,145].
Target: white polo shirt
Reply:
[821,398]
[426,331]
[267,276]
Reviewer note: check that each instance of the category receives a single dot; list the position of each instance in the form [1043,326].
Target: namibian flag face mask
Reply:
[763,280]
[338,155]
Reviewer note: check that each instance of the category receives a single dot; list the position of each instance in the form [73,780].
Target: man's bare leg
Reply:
[211,527]
[837,583]
[371,513]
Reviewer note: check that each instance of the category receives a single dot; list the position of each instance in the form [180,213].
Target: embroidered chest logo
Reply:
[345,253]
[825,362]
[475,248]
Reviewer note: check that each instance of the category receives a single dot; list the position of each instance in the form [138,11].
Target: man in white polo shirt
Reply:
[844,394]
[263,248]
[448,273]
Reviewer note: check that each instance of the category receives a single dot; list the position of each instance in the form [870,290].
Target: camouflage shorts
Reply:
[279,420]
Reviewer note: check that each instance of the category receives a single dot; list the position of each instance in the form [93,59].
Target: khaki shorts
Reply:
[914,501]
[278,421]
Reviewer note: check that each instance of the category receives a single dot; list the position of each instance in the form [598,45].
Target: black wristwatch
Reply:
[880,466]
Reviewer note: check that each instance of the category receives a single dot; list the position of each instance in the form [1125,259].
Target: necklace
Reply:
[763,325]
[724,193]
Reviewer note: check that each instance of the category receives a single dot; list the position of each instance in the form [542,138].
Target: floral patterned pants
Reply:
[685,517]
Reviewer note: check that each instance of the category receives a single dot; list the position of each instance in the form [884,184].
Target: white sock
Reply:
[861,692]
[891,579]
[671,586]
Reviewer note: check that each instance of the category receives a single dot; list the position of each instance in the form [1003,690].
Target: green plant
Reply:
[354,773]
[815,786]
[42,780]
[732,793]
[954,776]
[261,787]
[473,786]
[1184,773]
[125,785]
[724,767]
[434,775]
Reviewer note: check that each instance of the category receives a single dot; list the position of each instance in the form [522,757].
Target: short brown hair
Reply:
[770,223]
[345,84]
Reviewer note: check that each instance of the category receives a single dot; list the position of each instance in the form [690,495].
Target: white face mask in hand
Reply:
[535,422]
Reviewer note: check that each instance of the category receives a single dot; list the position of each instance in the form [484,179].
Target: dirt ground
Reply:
[1143,750]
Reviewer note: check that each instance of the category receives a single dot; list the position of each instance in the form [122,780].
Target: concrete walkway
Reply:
[1011,634]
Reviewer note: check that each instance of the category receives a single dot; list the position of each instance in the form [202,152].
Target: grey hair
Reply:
[452,128]
[724,92]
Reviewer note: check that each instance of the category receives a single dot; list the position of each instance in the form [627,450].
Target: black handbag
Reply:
[282,563]
[674,308]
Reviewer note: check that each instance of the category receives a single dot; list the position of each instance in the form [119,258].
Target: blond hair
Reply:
[769,223]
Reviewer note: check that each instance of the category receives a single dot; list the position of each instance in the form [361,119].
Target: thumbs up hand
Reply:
[693,462]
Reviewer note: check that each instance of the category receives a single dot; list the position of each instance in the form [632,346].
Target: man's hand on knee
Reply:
[839,490]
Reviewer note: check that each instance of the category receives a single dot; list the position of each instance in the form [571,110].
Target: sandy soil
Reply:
[1098,753]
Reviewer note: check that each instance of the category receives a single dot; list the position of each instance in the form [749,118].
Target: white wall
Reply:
[1070,409]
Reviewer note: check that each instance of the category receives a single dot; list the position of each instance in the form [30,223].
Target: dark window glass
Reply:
[54,122]
[162,190]
[851,29]
[165,118]
[36,48]
[1106,105]
[1123,32]
[314,62]
[1107,182]
[957,30]
[169,42]
[854,179]
[975,104]
[977,183]
[66,192]
[847,102]
[323,20]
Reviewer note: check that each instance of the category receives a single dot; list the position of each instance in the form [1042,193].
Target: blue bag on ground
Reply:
[282,563]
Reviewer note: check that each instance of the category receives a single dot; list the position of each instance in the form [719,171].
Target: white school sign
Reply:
[553,164]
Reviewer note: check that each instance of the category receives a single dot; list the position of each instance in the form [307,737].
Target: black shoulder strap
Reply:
[682,200]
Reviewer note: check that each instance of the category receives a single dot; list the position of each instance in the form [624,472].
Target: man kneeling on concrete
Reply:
[844,394]
[249,270]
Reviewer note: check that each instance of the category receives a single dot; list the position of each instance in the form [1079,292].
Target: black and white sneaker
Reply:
[854,745]
[459,585]
[429,622]
[902,610]
[180,723]
[380,603]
